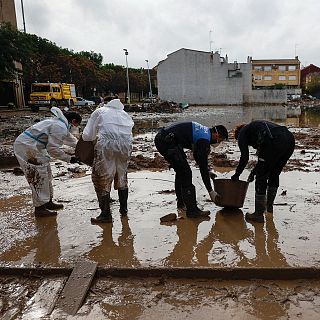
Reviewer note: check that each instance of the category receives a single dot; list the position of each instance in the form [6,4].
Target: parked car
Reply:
[96,99]
[83,102]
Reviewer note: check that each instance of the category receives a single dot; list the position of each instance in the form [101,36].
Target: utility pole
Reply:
[128,85]
[150,88]
[24,23]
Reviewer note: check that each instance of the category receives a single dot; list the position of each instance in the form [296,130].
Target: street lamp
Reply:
[128,85]
[24,23]
[150,92]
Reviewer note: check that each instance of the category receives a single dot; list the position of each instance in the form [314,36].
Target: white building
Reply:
[206,78]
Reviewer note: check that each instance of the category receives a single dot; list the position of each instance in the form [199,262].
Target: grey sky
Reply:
[151,29]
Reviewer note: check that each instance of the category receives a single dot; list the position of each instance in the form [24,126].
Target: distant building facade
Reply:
[206,78]
[8,12]
[200,77]
[308,73]
[11,90]
[269,72]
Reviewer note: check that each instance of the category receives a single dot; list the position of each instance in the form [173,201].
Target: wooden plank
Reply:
[43,301]
[75,290]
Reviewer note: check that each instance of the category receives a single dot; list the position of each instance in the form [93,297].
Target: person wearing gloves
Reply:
[36,146]
[111,127]
[275,145]
[171,141]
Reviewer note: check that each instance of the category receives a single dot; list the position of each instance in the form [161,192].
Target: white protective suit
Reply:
[34,149]
[112,127]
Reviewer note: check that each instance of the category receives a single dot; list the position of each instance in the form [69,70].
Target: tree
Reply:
[314,85]
[43,61]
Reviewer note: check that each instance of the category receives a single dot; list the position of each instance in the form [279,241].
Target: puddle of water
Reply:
[228,116]
[224,240]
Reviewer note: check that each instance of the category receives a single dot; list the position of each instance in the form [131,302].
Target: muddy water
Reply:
[226,239]
[122,299]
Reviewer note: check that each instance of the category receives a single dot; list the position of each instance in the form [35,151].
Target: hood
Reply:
[59,114]
[115,104]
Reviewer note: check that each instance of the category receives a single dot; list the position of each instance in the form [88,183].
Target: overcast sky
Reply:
[151,29]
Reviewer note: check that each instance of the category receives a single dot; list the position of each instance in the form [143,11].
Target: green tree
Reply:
[314,86]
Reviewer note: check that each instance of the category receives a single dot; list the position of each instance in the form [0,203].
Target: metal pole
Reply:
[24,23]
[150,88]
[128,85]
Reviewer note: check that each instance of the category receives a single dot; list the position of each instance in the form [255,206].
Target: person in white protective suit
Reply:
[36,146]
[111,127]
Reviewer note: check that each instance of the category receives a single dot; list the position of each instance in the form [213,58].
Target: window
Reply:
[292,78]
[292,68]
[282,78]
[267,78]
[282,68]
[40,88]
[267,68]
[257,77]
[259,68]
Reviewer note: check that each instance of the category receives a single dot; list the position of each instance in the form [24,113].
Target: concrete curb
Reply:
[287,273]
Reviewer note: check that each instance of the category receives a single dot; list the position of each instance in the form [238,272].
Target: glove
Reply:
[75,160]
[251,176]
[213,196]
[235,177]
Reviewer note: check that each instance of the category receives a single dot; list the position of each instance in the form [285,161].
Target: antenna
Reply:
[295,49]
[210,40]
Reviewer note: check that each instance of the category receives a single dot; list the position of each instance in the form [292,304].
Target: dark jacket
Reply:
[185,136]
[257,134]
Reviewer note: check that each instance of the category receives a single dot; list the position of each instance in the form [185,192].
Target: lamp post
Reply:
[150,88]
[24,23]
[128,85]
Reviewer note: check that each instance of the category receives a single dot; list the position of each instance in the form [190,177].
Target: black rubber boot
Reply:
[271,195]
[105,215]
[54,206]
[123,199]
[178,190]
[189,198]
[42,211]
[260,207]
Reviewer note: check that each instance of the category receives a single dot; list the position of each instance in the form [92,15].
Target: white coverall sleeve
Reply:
[70,140]
[90,131]
[56,138]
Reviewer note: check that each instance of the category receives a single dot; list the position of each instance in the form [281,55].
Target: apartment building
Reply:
[11,90]
[271,72]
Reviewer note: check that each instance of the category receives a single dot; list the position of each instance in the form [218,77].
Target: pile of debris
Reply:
[154,107]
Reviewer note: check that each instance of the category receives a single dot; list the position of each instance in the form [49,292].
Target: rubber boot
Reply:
[271,195]
[42,211]
[178,190]
[189,198]
[54,206]
[105,215]
[123,199]
[260,207]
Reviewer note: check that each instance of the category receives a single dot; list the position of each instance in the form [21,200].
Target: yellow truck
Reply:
[52,95]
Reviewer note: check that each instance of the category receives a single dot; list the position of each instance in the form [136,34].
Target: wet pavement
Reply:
[290,237]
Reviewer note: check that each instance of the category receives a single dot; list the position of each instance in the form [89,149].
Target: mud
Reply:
[161,298]
[289,238]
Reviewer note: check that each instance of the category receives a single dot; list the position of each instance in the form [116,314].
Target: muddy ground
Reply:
[289,238]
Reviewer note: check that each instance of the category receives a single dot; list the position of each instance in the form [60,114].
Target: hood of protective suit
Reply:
[115,104]
[59,114]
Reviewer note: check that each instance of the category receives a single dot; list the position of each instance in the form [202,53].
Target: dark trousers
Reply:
[177,159]
[273,156]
